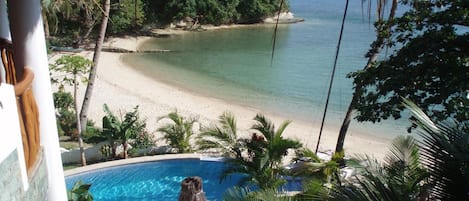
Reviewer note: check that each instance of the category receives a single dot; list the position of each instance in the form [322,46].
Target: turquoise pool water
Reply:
[159,180]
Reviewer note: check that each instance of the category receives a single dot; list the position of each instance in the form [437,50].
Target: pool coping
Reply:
[142,159]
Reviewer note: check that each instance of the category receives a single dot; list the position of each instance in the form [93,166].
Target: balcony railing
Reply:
[21,78]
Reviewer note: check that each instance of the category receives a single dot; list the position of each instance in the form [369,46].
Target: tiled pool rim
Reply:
[142,159]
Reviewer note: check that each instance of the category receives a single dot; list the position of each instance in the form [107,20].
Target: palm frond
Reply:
[445,153]
[264,126]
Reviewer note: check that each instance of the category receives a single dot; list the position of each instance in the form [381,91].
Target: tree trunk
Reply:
[94,67]
[46,23]
[374,53]
[79,129]
[125,148]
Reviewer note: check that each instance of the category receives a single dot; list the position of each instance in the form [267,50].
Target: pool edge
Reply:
[142,159]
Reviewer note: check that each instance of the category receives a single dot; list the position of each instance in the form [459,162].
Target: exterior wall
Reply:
[10,179]
[12,185]
[29,45]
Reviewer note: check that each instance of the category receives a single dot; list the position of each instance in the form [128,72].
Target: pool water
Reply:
[159,180]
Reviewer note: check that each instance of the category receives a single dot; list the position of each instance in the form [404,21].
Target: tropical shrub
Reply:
[223,137]
[125,130]
[66,119]
[126,15]
[178,132]
[262,155]
[434,167]
[80,192]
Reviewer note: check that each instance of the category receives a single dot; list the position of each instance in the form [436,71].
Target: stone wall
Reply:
[11,184]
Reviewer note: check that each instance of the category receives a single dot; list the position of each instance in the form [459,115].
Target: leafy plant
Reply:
[435,167]
[263,154]
[73,69]
[126,15]
[80,192]
[397,179]
[178,132]
[223,137]
[428,66]
[121,130]
[66,119]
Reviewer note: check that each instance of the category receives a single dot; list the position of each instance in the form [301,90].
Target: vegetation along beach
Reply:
[183,66]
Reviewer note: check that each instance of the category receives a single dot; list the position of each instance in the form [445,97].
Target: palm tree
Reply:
[222,137]
[94,68]
[122,129]
[262,155]
[277,146]
[381,40]
[444,151]
[179,132]
[435,167]
[398,178]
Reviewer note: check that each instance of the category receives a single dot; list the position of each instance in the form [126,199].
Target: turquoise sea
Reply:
[234,64]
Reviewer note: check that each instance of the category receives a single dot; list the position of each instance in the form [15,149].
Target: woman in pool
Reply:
[191,190]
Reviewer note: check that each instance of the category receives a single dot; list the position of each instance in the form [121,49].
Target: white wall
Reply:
[10,129]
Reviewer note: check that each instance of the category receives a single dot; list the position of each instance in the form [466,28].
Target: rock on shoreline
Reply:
[283,18]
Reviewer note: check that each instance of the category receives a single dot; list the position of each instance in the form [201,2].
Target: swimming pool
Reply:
[158,180]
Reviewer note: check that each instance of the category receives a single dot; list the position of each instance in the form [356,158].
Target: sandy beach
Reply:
[122,88]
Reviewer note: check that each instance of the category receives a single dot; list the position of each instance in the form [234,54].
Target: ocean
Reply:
[235,64]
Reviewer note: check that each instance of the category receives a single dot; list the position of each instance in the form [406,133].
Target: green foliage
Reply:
[398,178]
[313,190]
[432,168]
[252,11]
[123,129]
[70,69]
[263,153]
[444,152]
[74,21]
[66,119]
[213,11]
[125,16]
[80,192]
[217,12]
[428,66]
[71,19]
[223,137]
[236,194]
[178,132]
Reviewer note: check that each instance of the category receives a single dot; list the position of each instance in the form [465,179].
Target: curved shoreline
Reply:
[122,87]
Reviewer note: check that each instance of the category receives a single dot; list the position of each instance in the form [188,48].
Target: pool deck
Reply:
[142,159]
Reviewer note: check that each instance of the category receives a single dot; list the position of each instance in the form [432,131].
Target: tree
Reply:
[428,67]
[262,155]
[77,67]
[178,132]
[434,167]
[222,137]
[398,178]
[122,129]
[382,28]
[65,17]
[126,15]
[92,76]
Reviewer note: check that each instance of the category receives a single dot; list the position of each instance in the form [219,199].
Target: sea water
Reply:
[235,64]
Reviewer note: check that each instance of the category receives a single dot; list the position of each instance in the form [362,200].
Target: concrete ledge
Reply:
[132,161]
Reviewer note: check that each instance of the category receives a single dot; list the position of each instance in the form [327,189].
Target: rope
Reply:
[332,75]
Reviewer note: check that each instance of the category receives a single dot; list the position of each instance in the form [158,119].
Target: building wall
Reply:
[12,185]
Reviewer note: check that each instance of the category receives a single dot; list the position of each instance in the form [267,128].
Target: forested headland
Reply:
[77,20]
